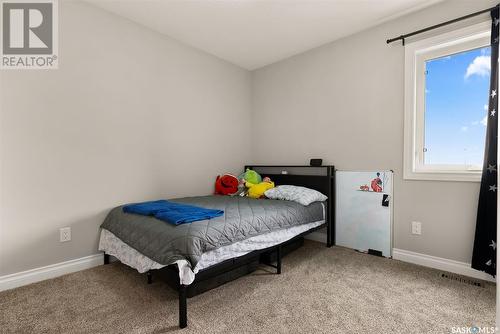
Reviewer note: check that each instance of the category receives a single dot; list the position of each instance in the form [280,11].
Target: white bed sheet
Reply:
[112,245]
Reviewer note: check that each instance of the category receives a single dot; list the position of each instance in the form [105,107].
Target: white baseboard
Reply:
[440,263]
[316,236]
[54,270]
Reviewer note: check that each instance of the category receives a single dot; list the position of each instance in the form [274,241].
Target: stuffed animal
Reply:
[258,190]
[226,184]
[251,176]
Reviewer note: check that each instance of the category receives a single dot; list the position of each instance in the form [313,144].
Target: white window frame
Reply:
[416,54]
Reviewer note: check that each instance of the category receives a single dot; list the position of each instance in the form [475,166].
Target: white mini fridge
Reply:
[364,211]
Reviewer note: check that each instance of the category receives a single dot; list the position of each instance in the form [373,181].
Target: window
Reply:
[447,81]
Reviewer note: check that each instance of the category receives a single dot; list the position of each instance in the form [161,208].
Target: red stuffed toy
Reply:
[226,184]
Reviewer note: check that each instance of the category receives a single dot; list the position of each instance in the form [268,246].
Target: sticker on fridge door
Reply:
[375,184]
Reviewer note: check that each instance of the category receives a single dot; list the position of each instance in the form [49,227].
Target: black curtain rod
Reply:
[403,37]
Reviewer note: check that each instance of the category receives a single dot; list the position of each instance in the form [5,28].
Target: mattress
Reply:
[146,243]
[112,245]
[243,218]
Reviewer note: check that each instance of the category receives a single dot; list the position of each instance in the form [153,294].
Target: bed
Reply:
[193,258]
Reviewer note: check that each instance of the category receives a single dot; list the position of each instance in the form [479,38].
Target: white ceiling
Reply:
[255,33]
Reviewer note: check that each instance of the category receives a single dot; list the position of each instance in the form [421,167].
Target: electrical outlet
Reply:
[65,234]
[416,228]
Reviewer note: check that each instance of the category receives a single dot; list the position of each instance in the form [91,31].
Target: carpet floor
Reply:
[321,290]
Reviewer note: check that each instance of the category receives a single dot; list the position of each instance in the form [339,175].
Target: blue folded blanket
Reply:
[171,212]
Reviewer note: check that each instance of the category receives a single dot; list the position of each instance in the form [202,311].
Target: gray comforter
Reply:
[243,218]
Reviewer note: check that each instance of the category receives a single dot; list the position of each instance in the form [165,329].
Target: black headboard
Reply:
[320,178]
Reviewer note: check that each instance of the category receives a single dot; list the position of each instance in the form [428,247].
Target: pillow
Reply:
[302,195]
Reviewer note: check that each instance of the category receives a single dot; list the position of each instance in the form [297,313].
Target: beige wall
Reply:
[344,102]
[128,116]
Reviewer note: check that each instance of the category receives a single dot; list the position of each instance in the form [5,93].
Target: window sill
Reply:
[443,176]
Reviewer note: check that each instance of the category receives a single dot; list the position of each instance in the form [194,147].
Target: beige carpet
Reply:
[321,290]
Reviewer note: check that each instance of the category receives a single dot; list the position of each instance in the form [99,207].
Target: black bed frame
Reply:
[320,178]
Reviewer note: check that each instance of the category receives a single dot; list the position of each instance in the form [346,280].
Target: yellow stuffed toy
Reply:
[258,190]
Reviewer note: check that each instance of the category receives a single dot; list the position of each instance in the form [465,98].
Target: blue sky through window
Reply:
[456,105]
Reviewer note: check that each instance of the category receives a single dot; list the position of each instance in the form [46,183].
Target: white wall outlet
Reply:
[65,234]
[416,228]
